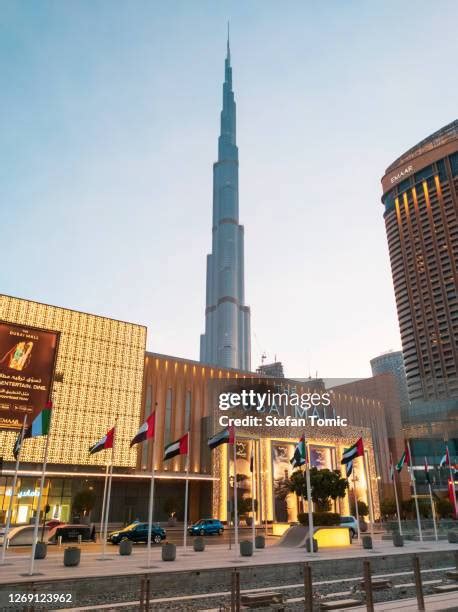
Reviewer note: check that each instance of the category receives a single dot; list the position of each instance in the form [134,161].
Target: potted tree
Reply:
[363,510]
[245,509]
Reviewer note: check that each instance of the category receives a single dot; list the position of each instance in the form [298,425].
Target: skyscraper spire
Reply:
[228,45]
[226,341]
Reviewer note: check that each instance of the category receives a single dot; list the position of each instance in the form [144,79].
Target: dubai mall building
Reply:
[97,373]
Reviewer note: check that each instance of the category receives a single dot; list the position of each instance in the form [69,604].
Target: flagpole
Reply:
[433,511]
[356,505]
[151,502]
[185,533]
[236,519]
[309,496]
[412,478]
[110,479]
[13,489]
[369,491]
[102,516]
[396,494]
[452,478]
[40,495]
[228,503]
[253,526]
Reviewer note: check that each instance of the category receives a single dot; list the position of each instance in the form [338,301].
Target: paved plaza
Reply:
[216,556]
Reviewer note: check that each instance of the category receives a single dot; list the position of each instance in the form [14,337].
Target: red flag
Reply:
[146,431]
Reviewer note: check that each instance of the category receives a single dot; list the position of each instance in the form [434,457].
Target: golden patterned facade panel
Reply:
[98,378]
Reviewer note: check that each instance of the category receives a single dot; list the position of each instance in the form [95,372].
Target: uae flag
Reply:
[146,431]
[404,459]
[39,427]
[391,470]
[103,443]
[445,459]
[226,436]
[180,447]
[349,468]
[357,450]
[300,453]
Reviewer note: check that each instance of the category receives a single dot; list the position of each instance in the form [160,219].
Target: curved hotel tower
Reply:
[226,341]
[420,195]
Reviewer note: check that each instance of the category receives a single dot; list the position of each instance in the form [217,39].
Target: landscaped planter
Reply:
[169,552]
[41,550]
[199,544]
[72,556]
[398,540]
[125,547]
[307,545]
[367,541]
[452,537]
[246,548]
[260,541]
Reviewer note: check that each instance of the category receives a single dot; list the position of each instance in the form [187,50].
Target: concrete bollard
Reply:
[72,556]
[260,541]
[199,544]
[125,548]
[367,541]
[315,545]
[246,548]
[452,537]
[398,539]
[169,552]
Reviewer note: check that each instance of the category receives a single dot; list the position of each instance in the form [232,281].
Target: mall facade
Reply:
[102,375]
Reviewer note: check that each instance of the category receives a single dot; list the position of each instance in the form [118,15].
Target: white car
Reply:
[351,523]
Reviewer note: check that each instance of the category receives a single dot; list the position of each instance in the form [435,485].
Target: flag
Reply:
[405,458]
[226,436]
[103,443]
[349,468]
[445,459]
[427,472]
[391,470]
[146,431]
[179,447]
[300,453]
[357,450]
[39,427]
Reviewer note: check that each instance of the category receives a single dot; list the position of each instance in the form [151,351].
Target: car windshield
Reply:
[201,522]
[346,519]
[132,526]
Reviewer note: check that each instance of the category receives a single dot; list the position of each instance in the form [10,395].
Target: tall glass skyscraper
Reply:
[226,341]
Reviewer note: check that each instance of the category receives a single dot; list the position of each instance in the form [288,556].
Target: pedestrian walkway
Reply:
[432,602]
[216,556]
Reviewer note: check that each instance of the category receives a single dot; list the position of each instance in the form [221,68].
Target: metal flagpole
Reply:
[110,479]
[356,505]
[309,496]
[40,495]
[433,511]
[151,502]
[185,533]
[102,517]
[452,479]
[412,478]
[228,504]
[393,476]
[369,492]
[13,489]
[236,518]
[253,526]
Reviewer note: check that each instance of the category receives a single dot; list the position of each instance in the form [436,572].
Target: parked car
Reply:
[137,532]
[351,523]
[206,527]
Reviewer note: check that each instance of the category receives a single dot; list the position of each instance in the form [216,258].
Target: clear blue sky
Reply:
[109,118]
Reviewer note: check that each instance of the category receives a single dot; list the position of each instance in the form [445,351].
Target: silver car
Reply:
[351,523]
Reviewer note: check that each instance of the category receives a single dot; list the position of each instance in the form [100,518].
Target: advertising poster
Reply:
[285,506]
[27,357]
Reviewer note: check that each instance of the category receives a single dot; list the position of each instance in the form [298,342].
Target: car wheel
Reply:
[157,539]
[201,532]
[220,531]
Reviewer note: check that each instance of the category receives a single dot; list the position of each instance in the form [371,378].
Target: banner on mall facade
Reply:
[27,361]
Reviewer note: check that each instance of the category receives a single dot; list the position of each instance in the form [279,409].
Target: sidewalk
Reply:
[215,556]
[444,602]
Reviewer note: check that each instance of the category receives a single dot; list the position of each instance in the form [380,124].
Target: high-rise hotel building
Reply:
[420,196]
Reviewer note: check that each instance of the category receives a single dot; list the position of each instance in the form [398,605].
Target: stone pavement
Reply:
[437,603]
[216,556]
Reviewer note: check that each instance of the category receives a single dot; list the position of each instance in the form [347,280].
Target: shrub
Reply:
[388,507]
[444,508]
[244,505]
[363,508]
[320,519]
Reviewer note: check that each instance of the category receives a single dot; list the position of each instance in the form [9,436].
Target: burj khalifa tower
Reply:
[226,341]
